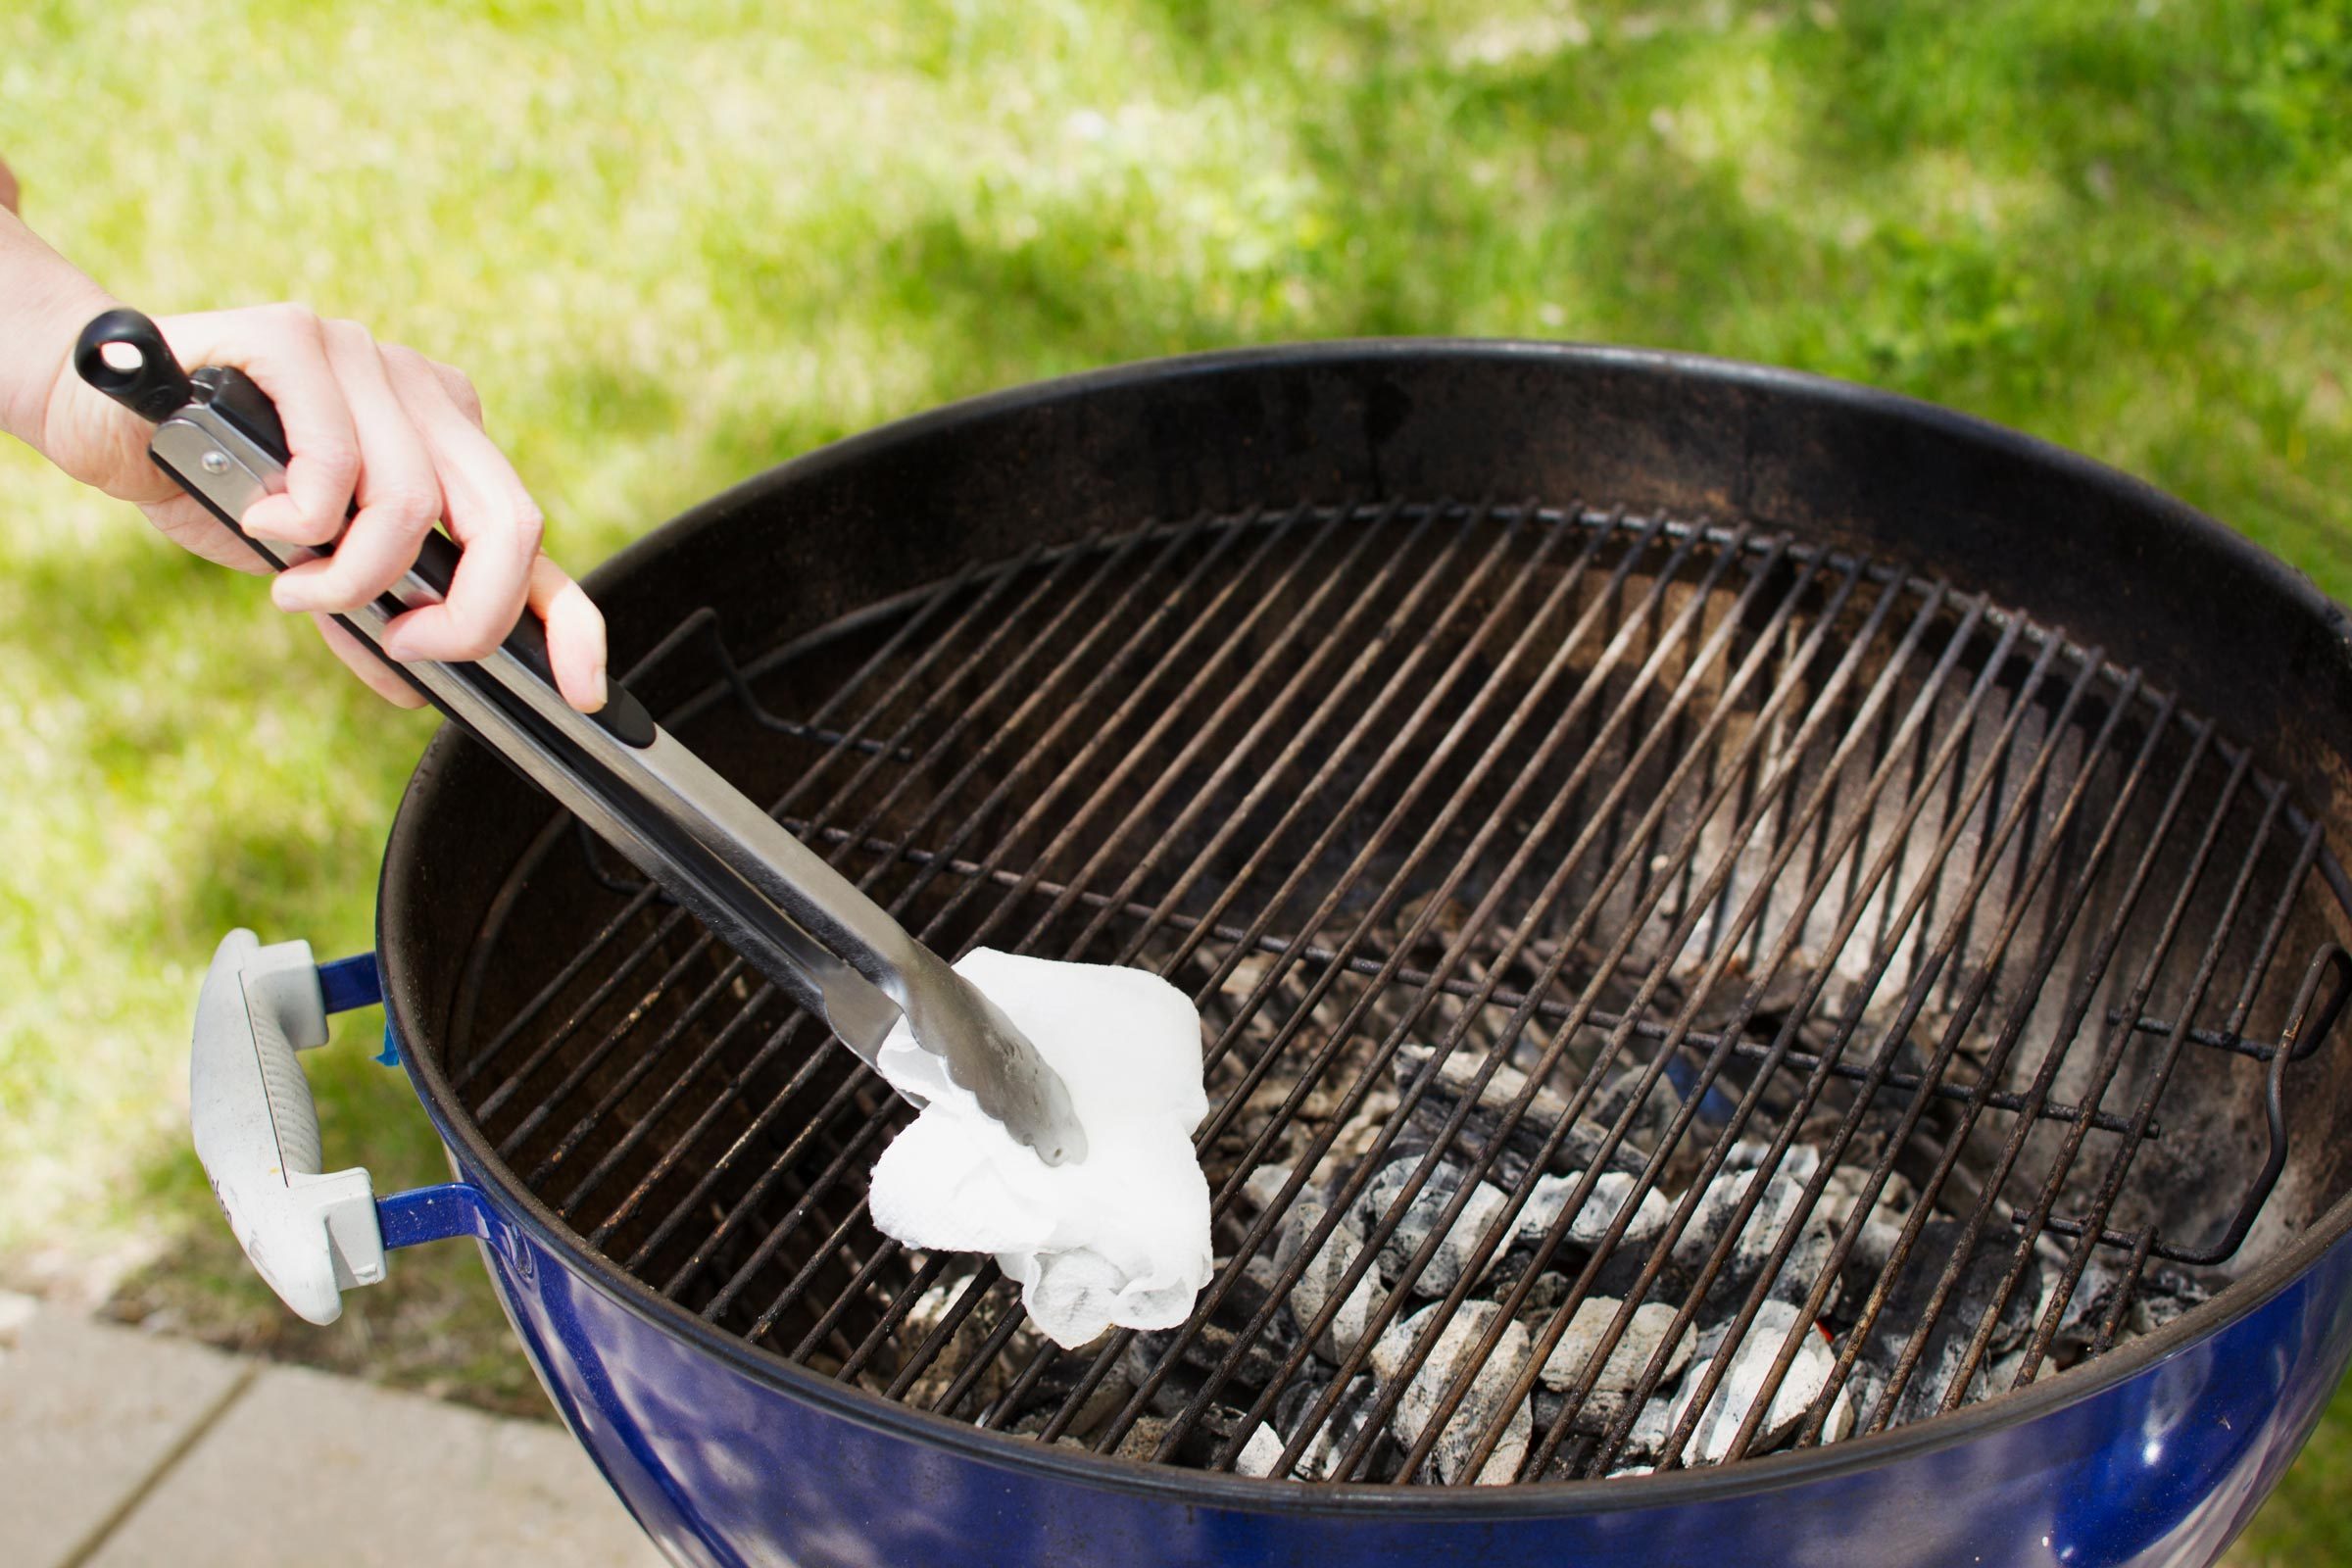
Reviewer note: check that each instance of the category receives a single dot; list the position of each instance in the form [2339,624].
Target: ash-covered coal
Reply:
[1455,1251]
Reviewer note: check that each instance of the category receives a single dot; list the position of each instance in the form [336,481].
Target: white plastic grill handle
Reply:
[312,1235]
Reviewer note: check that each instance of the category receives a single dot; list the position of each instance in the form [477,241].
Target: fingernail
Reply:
[394,644]
[293,594]
[597,692]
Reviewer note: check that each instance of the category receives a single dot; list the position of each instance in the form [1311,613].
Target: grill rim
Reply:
[409,845]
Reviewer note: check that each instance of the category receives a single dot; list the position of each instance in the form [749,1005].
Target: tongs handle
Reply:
[155,387]
[783,908]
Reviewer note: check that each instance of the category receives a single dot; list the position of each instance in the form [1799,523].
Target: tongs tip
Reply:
[985,1052]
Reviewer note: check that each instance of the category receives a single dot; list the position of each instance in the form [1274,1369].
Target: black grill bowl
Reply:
[1730,574]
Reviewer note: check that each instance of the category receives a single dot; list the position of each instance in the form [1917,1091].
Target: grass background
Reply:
[676,243]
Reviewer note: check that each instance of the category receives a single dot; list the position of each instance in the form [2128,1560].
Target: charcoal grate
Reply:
[1673,993]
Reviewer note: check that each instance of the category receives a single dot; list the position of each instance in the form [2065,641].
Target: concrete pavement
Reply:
[119,1449]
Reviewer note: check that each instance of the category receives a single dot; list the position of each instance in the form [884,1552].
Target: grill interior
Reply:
[1673,993]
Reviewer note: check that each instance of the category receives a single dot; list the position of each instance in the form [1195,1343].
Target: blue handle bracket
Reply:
[350,982]
[431,1214]
[423,1213]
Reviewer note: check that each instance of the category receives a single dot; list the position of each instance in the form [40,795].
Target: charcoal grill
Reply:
[1760,943]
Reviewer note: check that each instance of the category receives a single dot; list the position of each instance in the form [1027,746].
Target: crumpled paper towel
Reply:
[1121,1236]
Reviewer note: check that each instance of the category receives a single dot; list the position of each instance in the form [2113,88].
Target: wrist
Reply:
[44,302]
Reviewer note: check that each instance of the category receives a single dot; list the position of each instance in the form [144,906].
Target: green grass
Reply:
[676,243]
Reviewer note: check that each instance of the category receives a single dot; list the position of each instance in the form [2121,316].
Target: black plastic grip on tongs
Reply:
[142,374]
[151,384]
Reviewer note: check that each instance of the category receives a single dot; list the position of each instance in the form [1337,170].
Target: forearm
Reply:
[44,300]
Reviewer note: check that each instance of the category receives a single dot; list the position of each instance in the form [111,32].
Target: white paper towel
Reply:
[1121,1236]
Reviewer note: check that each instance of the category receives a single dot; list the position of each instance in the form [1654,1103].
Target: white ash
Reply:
[1351,1414]
[2000,1374]
[1545,1111]
[1800,1160]
[1489,1389]
[1781,1200]
[1321,1278]
[1718,1205]
[1882,1231]
[1645,1443]
[1260,1455]
[1353,1140]
[1805,1264]
[1356,1140]
[1602,1205]
[1844,1188]
[1455,1251]
[1265,1185]
[2164,1294]
[1743,1385]
[1644,1335]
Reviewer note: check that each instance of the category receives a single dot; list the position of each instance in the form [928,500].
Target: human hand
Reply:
[364,419]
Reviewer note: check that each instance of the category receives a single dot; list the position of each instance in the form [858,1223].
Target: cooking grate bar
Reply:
[803,1078]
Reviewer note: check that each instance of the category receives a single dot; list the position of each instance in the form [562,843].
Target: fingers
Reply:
[576,635]
[489,513]
[398,491]
[402,435]
[460,387]
[284,349]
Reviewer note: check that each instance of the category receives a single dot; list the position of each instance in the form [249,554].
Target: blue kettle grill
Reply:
[1772,954]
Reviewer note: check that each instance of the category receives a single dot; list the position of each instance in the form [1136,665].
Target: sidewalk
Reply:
[119,1449]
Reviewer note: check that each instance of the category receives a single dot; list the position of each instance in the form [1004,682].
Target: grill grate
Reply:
[1674,991]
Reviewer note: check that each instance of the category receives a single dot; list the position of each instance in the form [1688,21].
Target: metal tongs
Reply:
[789,914]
